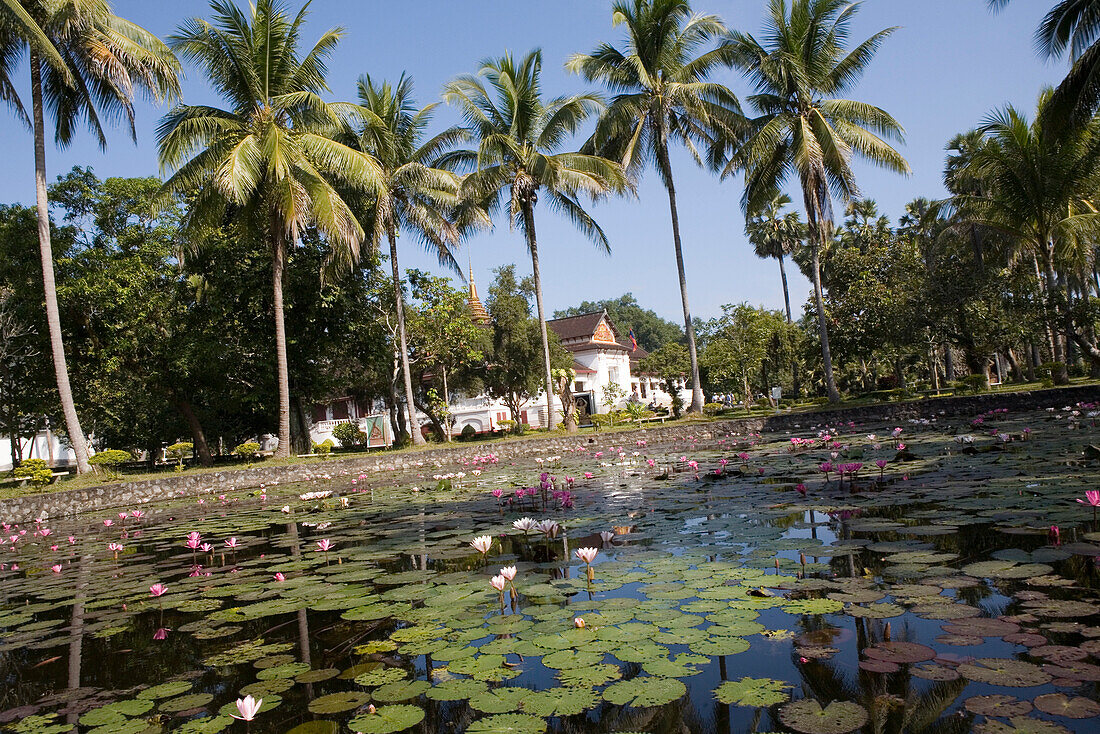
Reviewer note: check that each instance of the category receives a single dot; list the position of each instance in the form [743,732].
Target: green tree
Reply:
[663,96]
[651,331]
[804,128]
[740,344]
[775,234]
[415,195]
[85,64]
[671,364]
[268,157]
[519,137]
[443,336]
[513,373]
[1041,196]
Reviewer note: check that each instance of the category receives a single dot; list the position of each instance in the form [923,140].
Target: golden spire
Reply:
[477,312]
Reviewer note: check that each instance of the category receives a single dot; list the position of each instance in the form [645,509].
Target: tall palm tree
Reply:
[519,136]
[1071,26]
[416,195]
[804,128]
[1041,195]
[85,63]
[268,155]
[659,78]
[776,234]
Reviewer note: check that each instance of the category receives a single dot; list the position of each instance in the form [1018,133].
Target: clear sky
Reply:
[950,63]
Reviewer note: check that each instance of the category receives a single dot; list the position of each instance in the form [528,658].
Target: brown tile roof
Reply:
[576,327]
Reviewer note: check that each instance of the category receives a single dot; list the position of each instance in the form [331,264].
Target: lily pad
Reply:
[1059,704]
[807,716]
[336,703]
[1004,672]
[388,719]
[754,692]
[644,691]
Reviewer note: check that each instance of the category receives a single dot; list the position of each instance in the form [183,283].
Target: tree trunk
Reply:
[823,327]
[786,293]
[282,371]
[45,247]
[933,368]
[399,300]
[689,326]
[446,408]
[948,363]
[1060,373]
[202,448]
[532,245]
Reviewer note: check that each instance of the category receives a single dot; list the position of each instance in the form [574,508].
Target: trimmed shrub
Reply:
[324,448]
[110,460]
[713,408]
[247,450]
[349,435]
[177,452]
[35,471]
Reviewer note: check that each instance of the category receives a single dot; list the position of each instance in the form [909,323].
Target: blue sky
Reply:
[949,64]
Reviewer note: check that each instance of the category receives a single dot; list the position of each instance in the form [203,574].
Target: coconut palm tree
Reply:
[85,64]
[776,234]
[267,157]
[804,128]
[416,195]
[1041,196]
[659,78]
[519,138]
[1071,26]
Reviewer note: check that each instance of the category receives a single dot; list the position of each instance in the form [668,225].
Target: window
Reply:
[642,385]
[613,374]
[578,386]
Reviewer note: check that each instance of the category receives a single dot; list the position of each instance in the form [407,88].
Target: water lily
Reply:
[578,622]
[588,555]
[499,583]
[56,568]
[508,572]
[1092,497]
[158,589]
[279,577]
[248,708]
[525,524]
[161,633]
[607,536]
[232,543]
[482,544]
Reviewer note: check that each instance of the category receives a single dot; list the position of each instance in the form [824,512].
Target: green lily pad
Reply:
[644,691]
[807,716]
[1004,672]
[507,724]
[457,689]
[997,705]
[754,692]
[1020,725]
[1059,704]
[567,701]
[336,703]
[590,677]
[388,719]
[400,691]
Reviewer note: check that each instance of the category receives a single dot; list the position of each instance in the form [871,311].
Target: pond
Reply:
[935,575]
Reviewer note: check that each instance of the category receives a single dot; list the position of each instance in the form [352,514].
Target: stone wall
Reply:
[133,494]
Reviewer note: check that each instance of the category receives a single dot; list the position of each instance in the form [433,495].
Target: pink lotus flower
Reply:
[158,589]
[578,622]
[1092,497]
[325,545]
[498,583]
[108,523]
[881,463]
[161,633]
[248,708]
[607,536]
[588,475]
[498,492]
[207,548]
[280,578]
[56,568]
[137,514]
[232,543]
[801,489]
[508,572]
[482,544]
[525,524]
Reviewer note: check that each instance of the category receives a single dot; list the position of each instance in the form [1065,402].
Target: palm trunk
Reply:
[786,293]
[689,326]
[399,301]
[815,213]
[45,247]
[532,245]
[446,408]
[282,371]
[1061,374]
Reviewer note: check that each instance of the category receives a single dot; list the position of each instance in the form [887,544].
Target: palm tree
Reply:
[1041,196]
[268,157]
[415,195]
[85,63]
[519,136]
[803,128]
[662,95]
[775,234]
[1071,26]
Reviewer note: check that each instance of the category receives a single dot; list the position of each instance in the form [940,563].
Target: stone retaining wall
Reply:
[132,494]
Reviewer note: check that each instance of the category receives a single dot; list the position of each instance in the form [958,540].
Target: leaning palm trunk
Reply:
[689,327]
[399,301]
[282,371]
[786,292]
[532,245]
[45,246]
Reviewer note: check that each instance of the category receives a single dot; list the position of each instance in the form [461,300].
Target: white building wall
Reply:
[37,448]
